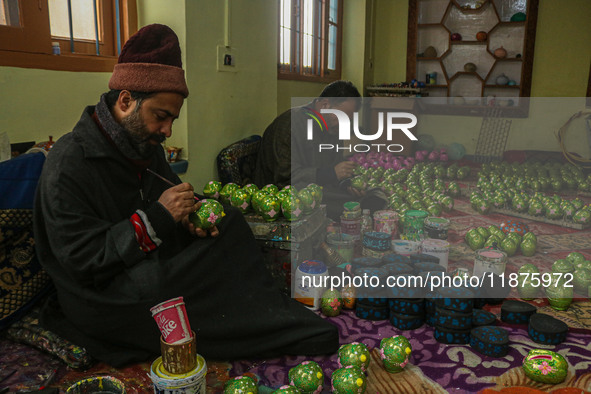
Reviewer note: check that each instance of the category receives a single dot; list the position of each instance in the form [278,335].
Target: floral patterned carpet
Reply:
[434,367]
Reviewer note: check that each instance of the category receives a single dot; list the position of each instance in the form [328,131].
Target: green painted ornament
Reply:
[395,353]
[316,191]
[281,194]
[291,208]
[257,198]
[582,280]
[575,258]
[271,189]
[527,287]
[348,380]
[545,366]
[559,296]
[270,208]
[241,200]
[241,385]
[212,189]
[563,266]
[208,215]
[307,377]
[251,188]
[356,354]
[227,191]
[582,216]
[331,303]
[286,389]
[307,200]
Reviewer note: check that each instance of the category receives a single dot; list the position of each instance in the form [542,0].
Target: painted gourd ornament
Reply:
[481,36]
[251,188]
[226,192]
[356,354]
[271,189]
[208,215]
[307,377]
[241,200]
[291,207]
[270,208]
[316,191]
[348,294]
[545,366]
[348,380]
[212,189]
[307,200]
[257,198]
[395,353]
[502,79]
[331,303]
[514,226]
[241,384]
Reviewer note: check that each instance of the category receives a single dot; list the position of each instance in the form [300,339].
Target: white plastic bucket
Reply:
[309,279]
[192,382]
[437,248]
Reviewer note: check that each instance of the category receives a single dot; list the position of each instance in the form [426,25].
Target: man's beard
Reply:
[140,136]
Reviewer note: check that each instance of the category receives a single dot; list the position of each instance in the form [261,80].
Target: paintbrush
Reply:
[169,182]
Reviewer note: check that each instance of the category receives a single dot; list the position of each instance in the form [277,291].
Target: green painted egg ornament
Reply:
[332,303]
[210,214]
[356,354]
[286,389]
[227,191]
[251,188]
[270,208]
[271,189]
[316,191]
[307,377]
[241,384]
[395,353]
[348,380]
[545,366]
[307,200]
[212,189]
[291,208]
[241,200]
[257,198]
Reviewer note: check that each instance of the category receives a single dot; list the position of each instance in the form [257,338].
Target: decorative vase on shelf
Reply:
[502,79]
[500,53]
[481,36]
[430,52]
[456,37]
[470,67]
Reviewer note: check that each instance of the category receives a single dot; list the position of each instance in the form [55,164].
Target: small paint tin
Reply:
[405,247]
[192,382]
[436,227]
[386,221]
[343,244]
[437,248]
[351,227]
[309,286]
[98,384]
[377,241]
[489,260]
[414,225]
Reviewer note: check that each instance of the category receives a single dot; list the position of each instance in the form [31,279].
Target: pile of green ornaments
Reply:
[421,188]
[269,202]
[483,237]
[350,378]
[520,188]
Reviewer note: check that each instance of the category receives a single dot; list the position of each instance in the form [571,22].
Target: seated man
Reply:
[287,157]
[116,239]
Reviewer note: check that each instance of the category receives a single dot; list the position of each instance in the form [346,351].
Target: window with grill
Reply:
[310,35]
[74,35]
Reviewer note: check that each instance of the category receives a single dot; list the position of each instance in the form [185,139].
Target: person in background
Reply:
[287,157]
[116,239]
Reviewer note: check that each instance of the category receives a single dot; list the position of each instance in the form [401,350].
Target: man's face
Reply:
[347,106]
[150,123]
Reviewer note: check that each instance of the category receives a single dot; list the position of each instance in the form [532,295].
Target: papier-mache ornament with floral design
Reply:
[545,366]
[210,214]
[356,354]
[395,353]
[307,377]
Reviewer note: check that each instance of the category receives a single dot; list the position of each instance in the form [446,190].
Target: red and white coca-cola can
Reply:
[172,320]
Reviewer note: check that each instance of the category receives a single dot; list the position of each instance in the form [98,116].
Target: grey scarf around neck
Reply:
[117,132]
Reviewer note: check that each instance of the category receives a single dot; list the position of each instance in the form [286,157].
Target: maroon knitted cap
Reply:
[150,61]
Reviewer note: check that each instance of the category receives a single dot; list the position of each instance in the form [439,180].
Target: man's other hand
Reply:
[179,200]
[214,232]
[345,169]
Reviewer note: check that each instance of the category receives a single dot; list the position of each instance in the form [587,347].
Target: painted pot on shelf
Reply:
[502,79]
[500,53]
